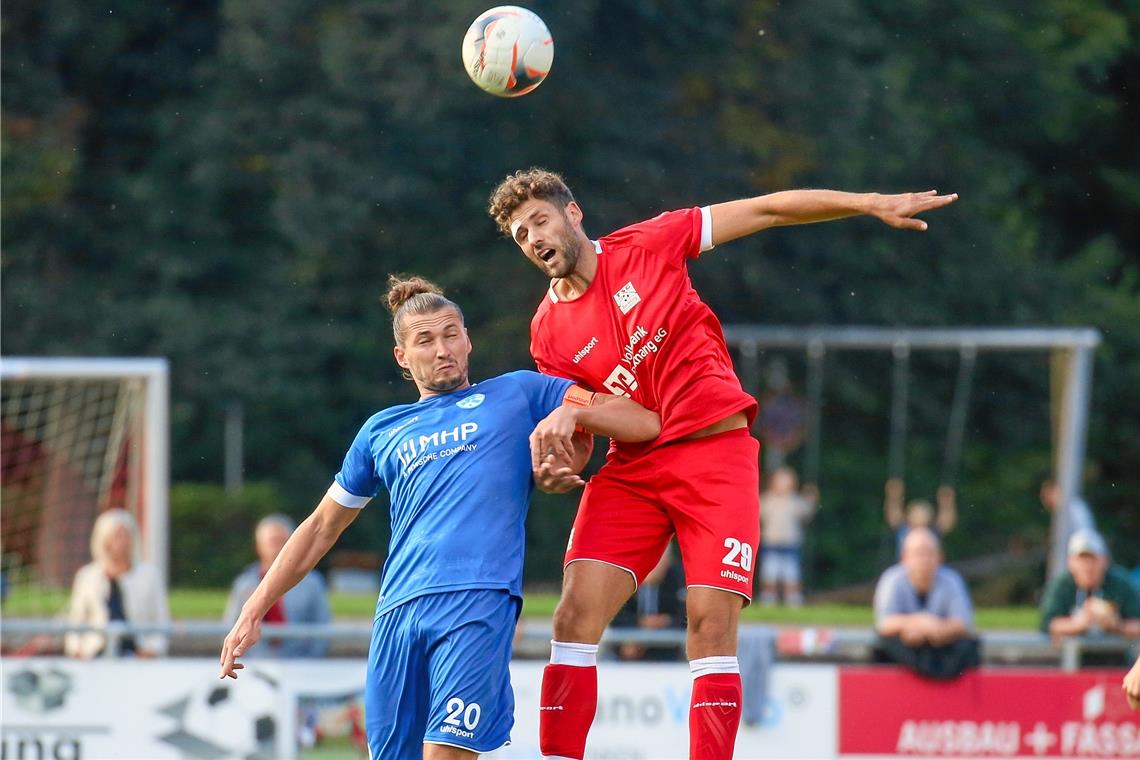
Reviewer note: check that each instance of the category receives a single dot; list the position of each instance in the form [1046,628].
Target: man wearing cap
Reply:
[1091,596]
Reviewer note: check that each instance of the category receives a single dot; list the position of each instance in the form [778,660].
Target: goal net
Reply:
[77,437]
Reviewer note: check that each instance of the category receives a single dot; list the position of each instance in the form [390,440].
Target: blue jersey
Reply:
[457,467]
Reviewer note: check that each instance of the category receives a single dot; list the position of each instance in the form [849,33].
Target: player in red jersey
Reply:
[621,315]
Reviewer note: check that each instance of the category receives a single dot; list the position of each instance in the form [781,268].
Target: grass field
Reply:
[188,604]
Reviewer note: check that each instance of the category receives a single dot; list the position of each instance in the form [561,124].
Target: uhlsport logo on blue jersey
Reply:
[471,401]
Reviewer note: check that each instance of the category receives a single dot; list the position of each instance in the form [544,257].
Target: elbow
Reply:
[650,428]
[645,428]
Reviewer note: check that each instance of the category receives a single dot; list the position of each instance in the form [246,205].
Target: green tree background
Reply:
[228,184]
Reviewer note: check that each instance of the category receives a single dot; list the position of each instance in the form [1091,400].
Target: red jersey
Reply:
[640,330]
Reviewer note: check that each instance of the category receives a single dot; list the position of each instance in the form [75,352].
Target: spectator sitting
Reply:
[307,602]
[1091,596]
[923,613]
[918,513]
[658,603]
[782,513]
[116,586]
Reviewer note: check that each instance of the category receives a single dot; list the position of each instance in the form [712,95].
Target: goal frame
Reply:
[1075,346]
[155,372]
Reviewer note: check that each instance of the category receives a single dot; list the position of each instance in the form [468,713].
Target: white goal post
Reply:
[1071,347]
[82,435]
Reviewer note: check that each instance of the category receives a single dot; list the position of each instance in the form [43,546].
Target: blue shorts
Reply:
[780,563]
[438,672]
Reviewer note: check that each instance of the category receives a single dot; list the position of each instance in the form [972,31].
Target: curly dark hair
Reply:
[520,187]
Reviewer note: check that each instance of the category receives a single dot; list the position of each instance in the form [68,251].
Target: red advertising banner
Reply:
[986,713]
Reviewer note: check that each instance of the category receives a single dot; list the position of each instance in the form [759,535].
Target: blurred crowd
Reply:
[923,612]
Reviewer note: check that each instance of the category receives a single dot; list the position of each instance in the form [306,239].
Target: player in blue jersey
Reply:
[457,465]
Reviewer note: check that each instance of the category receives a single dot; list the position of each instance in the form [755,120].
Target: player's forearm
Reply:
[297,558]
[301,553]
[743,217]
[620,418]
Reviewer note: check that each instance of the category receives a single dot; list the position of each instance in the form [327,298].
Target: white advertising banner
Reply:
[149,710]
[643,712]
[141,710]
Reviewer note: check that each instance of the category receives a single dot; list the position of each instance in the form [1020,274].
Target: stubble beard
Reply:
[570,255]
[448,383]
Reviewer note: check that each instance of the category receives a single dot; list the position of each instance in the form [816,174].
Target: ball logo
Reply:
[227,720]
[38,690]
[471,401]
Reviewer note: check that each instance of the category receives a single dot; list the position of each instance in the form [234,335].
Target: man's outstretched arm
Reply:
[312,539]
[739,218]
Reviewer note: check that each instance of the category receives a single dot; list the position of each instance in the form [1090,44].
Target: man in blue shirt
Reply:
[923,612]
[307,602]
[457,465]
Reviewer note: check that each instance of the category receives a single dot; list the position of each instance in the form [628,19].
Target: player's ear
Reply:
[574,212]
[401,359]
[467,335]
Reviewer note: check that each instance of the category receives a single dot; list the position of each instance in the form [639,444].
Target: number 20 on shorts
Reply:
[469,713]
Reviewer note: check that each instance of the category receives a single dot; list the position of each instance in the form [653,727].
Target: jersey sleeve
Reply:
[674,235]
[543,392]
[357,482]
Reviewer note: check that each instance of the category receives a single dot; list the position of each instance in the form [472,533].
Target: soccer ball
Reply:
[508,51]
[237,719]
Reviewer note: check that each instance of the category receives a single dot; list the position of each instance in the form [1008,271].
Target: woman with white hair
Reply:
[116,586]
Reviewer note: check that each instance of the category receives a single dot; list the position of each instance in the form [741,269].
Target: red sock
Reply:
[568,703]
[714,715]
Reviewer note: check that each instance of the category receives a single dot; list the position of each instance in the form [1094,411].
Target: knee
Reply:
[712,632]
[576,621]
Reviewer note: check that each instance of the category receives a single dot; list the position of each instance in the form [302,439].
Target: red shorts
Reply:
[705,490]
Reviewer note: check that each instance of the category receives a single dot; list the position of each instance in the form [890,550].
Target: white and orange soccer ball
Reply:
[508,51]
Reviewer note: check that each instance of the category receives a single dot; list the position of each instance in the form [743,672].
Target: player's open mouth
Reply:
[547,255]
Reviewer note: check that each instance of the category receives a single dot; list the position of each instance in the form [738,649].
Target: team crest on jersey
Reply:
[471,401]
[627,298]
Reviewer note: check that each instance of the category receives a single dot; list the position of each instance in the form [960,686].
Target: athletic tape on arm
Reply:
[578,396]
